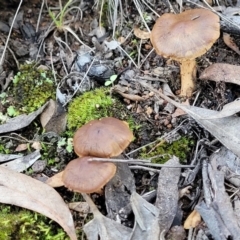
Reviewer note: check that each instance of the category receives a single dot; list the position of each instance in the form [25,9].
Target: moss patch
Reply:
[179,148]
[23,224]
[90,105]
[32,87]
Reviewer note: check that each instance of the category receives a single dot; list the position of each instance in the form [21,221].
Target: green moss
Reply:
[90,105]
[32,88]
[179,148]
[23,224]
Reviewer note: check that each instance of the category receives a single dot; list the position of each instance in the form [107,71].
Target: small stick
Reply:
[138,162]
[10,32]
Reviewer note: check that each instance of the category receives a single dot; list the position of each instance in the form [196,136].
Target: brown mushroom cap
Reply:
[87,177]
[106,137]
[186,35]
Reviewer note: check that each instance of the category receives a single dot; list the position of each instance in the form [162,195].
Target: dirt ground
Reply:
[59,46]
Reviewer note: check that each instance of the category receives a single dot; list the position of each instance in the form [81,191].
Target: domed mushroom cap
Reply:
[106,137]
[87,177]
[186,35]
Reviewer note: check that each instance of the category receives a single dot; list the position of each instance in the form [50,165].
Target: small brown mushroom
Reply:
[184,37]
[106,137]
[83,176]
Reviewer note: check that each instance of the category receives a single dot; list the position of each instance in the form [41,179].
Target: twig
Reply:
[39,16]
[138,162]
[140,13]
[145,168]
[9,34]
[130,161]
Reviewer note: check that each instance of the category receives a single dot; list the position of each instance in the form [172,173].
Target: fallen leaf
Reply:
[56,180]
[179,112]
[141,34]
[226,130]
[22,163]
[103,228]
[21,147]
[54,118]
[228,110]
[192,220]
[228,40]
[24,191]
[146,219]
[47,113]
[20,121]
[222,72]
[230,11]
[8,157]
[36,145]
[167,194]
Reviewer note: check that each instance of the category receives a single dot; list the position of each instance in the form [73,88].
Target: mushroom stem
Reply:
[188,77]
[91,204]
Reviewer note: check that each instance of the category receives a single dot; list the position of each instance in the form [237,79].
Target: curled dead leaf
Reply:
[54,117]
[222,72]
[141,34]
[21,147]
[228,110]
[228,40]
[24,191]
[193,220]
[20,121]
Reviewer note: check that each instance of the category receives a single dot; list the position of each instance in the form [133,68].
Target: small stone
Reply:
[39,166]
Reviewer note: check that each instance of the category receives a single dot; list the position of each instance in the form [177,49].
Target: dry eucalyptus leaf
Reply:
[167,194]
[20,121]
[226,130]
[228,40]
[103,228]
[192,220]
[47,113]
[24,191]
[222,72]
[146,224]
[141,34]
[179,112]
[56,180]
[230,11]
[228,110]
[22,163]
[54,118]
[230,24]
[36,145]
[8,157]
[21,147]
